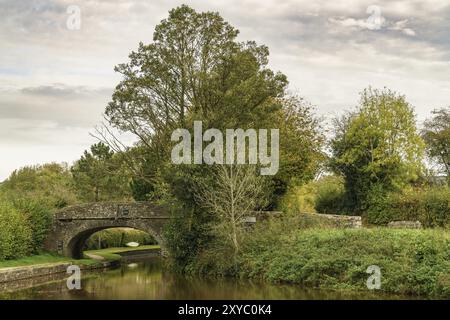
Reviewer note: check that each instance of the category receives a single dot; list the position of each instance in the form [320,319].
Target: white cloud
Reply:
[374,23]
[360,23]
[402,27]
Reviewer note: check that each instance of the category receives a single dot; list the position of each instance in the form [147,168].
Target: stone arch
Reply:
[76,241]
[74,225]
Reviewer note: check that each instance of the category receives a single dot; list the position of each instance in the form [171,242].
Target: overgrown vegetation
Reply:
[27,199]
[428,204]
[49,184]
[308,252]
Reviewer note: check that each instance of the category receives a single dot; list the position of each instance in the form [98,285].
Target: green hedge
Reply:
[16,235]
[24,224]
[430,206]
[39,218]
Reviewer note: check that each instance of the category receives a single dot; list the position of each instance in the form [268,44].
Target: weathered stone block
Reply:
[405,224]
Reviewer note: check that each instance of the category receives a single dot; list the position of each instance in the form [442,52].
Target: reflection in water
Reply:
[148,280]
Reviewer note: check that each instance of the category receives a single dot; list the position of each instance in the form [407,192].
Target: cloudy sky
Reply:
[56,78]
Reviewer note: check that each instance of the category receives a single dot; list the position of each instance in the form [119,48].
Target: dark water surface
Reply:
[149,280]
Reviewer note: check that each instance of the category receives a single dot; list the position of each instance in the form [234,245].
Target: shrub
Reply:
[39,218]
[16,236]
[411,261]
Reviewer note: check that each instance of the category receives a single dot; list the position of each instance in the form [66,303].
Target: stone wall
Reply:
[405,224]
[339,221]
[342,221]
[35,271]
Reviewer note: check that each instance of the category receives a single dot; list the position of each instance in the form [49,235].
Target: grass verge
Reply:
[112,253]
[109,254]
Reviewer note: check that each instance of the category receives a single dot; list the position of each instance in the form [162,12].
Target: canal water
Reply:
[148,280]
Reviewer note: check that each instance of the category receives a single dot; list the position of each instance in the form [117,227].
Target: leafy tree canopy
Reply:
[377,145]
[436,133]
[98,175]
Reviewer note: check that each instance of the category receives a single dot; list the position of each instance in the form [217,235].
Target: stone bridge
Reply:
[75,224]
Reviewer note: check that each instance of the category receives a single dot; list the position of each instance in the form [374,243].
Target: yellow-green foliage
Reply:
[30,194]
[324,195]
[49,184]
[16,236]
[299,199]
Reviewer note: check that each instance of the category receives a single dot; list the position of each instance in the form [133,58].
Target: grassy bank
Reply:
[109,254]
[113,253]
[44,258]
[415,262]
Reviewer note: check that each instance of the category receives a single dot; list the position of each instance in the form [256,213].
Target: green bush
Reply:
[117,237]
[39,218]
[429,206]
[16,235]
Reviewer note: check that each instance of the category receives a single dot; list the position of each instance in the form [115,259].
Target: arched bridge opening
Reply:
[75,224]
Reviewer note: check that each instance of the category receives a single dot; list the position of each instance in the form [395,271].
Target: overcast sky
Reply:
[55,79]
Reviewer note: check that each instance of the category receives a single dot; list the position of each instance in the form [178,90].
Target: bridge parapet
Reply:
[111,211]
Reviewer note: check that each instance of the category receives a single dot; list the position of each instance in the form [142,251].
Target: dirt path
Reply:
[95,257]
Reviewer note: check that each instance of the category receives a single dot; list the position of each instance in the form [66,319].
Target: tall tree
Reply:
[98,176]
[194,69]
[377,146]
[436,133]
